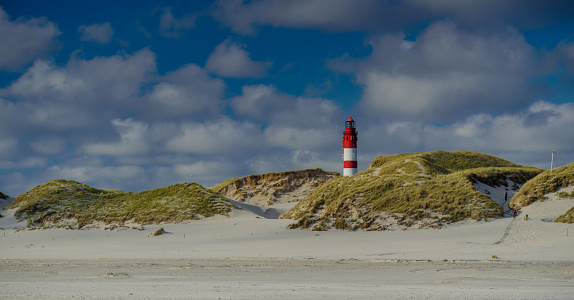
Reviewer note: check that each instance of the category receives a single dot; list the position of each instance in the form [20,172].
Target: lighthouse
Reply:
[350,148]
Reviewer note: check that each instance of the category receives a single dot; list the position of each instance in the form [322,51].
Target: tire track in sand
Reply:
[505,232]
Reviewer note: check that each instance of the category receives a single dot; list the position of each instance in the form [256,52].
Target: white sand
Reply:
[249,257]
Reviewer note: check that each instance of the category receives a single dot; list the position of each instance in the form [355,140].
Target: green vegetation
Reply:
[568,217]
[47,204]
[428,189]
[537,188]
[566,195]
[267,177]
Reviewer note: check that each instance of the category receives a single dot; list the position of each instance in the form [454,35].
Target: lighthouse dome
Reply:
[350,123]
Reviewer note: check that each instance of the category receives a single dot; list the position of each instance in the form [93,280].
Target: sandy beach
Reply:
[246,256]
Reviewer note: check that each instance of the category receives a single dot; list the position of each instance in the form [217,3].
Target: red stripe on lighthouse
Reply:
[349,148]
[350,164]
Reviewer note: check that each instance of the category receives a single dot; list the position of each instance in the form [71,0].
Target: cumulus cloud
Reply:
[295,160]
[292,122]
[445,74]
[84,92]
[266,103]
[99,33]
[259,102]
[133,140]
[564,54]
[48,145]
[372,15]
[221,136]
[301,138]
[210,172]
[170,26]
[232,60]
[8,147]
[25,40]
[334,15]
[33,162]
[520,136]
[104,176]
[188,91]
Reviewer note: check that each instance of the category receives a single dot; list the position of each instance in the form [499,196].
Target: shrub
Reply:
[159,232]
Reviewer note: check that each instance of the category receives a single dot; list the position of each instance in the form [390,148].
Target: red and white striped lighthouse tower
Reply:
[349,148]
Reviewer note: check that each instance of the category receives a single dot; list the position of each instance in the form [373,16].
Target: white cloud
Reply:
[564,53]
[527,135]
[104,175]
[372,15]
[48,145]
[24,40]
[218,137]
[301,138]
[133,140]
[99,33]
[188,91]
[232,60]
[259,102]
[84,92]
[206,170]
[295,160]
[8,147]
[331,15]
[263,102]
[170,26]
[446,74]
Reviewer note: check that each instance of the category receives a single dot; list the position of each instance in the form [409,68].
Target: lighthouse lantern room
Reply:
[350,148]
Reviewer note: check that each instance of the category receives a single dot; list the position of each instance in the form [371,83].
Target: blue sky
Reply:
[135,95]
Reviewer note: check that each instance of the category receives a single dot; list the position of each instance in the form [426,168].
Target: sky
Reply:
[135,95]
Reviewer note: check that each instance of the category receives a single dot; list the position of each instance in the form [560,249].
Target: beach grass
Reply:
[412,188]
[48,204]
[543,184]
[273,176]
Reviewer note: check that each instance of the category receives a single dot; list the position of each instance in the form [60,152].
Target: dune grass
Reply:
[568,217]
[267,177]
[537,188]
[410,187]
[59,200]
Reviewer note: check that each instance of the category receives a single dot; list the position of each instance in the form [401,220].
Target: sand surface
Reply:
[247,256]
[285,279]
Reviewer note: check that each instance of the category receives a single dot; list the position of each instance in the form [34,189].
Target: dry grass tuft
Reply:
[159,232]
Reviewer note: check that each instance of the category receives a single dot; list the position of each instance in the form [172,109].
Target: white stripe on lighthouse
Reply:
[349,154]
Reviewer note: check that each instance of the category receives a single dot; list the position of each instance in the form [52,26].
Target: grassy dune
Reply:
[273,188]
[537,188]
[49,204]
[428,189]
[267,177]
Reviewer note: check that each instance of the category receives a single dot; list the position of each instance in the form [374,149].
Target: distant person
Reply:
[505,196]
[514,213]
